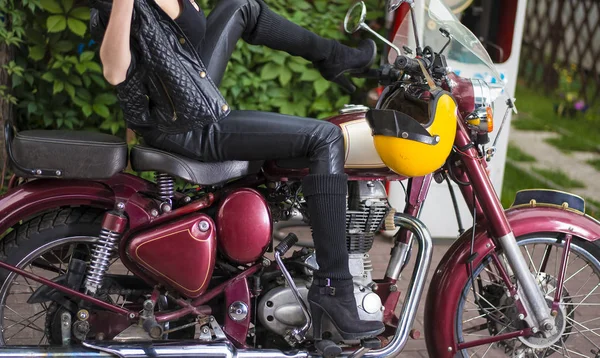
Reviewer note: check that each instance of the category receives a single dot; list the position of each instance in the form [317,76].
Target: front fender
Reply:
[451,274]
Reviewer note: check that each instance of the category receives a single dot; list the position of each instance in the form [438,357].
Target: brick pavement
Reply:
[380,254]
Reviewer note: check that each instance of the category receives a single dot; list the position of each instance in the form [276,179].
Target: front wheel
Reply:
[485,309]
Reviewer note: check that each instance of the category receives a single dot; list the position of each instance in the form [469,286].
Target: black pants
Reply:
[250,135]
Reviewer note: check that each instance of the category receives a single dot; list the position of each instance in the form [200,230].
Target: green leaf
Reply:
[87,110]
[78,27]
[56,23]
[310,75]
[63,46]
[114,128]
[31,107]
[296,67]
[81,13]
[78,101]
[321,86]
[86,56]
[106,98]
[93,66]
[87,81]
[52,6]
[67,5]
[37,52]
[59,86]
[48,76]
[269,71]
[76,80]
[70,89]
[99,80]
[285,76]
[81,68]
[101,110]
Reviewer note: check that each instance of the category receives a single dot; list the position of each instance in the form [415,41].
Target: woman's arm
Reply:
[115,52]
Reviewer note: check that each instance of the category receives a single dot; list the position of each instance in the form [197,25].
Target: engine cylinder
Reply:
[244,226]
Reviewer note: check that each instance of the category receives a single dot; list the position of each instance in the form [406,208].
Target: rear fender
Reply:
[451,274]
[37,196]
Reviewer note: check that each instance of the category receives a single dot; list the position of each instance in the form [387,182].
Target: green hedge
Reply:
[57,79]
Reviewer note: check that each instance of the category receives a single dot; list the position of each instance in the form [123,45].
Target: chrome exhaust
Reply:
[190,350]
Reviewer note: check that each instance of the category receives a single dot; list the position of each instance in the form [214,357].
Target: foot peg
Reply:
[328,349]
[371,343]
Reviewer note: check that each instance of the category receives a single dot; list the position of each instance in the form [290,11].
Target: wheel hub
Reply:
[539,342]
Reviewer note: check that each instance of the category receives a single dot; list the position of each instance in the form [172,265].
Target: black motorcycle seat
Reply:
[144,158]
[67,154]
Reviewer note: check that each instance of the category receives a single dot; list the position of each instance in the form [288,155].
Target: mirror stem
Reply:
[414,21]
[368,28]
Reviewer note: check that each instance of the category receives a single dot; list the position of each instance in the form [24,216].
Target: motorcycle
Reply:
[97,262]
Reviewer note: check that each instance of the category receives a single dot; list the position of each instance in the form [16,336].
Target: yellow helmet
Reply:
[414,137]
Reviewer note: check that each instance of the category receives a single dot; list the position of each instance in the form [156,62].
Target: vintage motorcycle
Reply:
[96,262]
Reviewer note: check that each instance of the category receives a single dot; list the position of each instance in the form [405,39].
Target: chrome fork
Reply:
[538,312]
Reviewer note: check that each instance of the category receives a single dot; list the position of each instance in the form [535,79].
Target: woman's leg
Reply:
[253,21]
[250,135]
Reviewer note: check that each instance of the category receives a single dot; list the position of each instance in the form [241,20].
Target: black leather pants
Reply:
[250,135]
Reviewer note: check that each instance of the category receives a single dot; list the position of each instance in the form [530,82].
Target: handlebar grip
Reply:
[286,244]
[407,64]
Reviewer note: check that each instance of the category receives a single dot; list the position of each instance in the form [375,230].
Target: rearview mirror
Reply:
[355,20]
[355,17]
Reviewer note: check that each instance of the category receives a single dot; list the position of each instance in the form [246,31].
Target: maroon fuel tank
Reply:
[180,254]
[361,158]
[244,226]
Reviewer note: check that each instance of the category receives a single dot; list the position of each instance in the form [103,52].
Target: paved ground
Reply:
[551,158]
[380,256]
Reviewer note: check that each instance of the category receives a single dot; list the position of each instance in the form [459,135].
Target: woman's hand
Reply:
[115,52]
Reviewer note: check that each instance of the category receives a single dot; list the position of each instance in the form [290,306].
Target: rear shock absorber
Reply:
[113,226]
[166,191]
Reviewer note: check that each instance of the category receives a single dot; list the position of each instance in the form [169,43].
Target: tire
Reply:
[498,317]
[50,229]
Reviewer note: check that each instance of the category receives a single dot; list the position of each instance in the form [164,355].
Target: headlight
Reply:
[482,118]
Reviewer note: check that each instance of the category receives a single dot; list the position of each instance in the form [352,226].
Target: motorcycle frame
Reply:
[37,196]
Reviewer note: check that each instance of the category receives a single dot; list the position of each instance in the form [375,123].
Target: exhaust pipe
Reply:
[193,349]
[106,349]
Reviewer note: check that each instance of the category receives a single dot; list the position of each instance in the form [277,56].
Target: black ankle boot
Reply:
[344,59]
[335,298]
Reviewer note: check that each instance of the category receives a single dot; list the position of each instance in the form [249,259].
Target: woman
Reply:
[248,135]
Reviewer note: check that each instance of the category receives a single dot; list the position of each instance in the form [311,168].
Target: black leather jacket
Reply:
[167,86]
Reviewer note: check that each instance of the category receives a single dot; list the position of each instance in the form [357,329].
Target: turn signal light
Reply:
[490,119]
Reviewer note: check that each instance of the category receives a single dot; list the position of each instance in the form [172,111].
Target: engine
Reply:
[367,207]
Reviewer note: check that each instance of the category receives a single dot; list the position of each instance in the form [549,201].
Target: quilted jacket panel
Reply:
[167,86]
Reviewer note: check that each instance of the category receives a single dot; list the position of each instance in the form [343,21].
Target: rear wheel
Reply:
[486,310]
[43,245]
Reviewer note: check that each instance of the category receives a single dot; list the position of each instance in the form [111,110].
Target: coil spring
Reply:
[166,186]
[101,254]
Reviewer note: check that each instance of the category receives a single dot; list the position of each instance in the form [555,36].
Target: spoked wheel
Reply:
[486,310]
[44,246]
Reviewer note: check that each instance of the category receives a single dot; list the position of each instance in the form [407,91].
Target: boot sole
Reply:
[348,335]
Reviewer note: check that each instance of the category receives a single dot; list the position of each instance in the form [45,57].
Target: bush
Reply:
[57,79]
